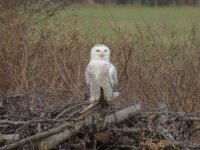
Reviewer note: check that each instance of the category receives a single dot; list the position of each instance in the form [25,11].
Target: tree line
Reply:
[137,2]
[152,3]
[160,2]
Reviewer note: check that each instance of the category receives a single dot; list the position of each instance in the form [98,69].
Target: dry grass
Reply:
[155,66]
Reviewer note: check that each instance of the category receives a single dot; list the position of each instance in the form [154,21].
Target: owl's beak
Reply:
[102,55]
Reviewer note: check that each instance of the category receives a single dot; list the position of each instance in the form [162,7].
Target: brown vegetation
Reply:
[154,66]
[42,70]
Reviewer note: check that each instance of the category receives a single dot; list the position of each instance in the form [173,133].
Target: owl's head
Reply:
[100,52]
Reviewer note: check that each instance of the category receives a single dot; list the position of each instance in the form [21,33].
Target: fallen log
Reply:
[51,141]
[123,114]
[117,117]
[36,137]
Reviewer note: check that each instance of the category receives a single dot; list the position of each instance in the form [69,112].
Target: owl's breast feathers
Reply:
[98,75]
[98,71]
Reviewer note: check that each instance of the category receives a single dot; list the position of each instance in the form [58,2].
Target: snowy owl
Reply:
[101,73]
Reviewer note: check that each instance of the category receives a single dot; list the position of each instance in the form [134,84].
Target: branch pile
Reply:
[80,126]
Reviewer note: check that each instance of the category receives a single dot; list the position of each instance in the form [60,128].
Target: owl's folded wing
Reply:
[87,77]
[113,76]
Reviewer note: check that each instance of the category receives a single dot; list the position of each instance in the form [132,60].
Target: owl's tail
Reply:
[115,94]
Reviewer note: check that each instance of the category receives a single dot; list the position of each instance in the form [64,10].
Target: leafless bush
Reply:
[155,66]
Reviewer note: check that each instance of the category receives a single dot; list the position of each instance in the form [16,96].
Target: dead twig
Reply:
[66,110]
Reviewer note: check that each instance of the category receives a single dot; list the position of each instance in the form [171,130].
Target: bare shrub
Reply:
[155,66]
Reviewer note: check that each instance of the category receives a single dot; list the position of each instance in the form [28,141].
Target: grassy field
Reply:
[103,20]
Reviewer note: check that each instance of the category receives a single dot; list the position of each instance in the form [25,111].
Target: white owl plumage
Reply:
[101,73]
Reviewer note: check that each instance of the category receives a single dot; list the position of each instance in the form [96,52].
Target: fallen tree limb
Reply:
[72,114]
[118,117]
[9,138]
[36,137]
[123,114]
[197,128]
[189,119]
[146,129]
[51,141]
[15,123]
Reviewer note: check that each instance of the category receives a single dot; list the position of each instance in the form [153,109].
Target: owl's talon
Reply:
[92,100]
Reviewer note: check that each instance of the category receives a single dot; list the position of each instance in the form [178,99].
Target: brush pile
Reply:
[26,125]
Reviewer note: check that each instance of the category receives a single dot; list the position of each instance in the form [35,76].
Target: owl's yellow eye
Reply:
[97,50]
[105,50]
